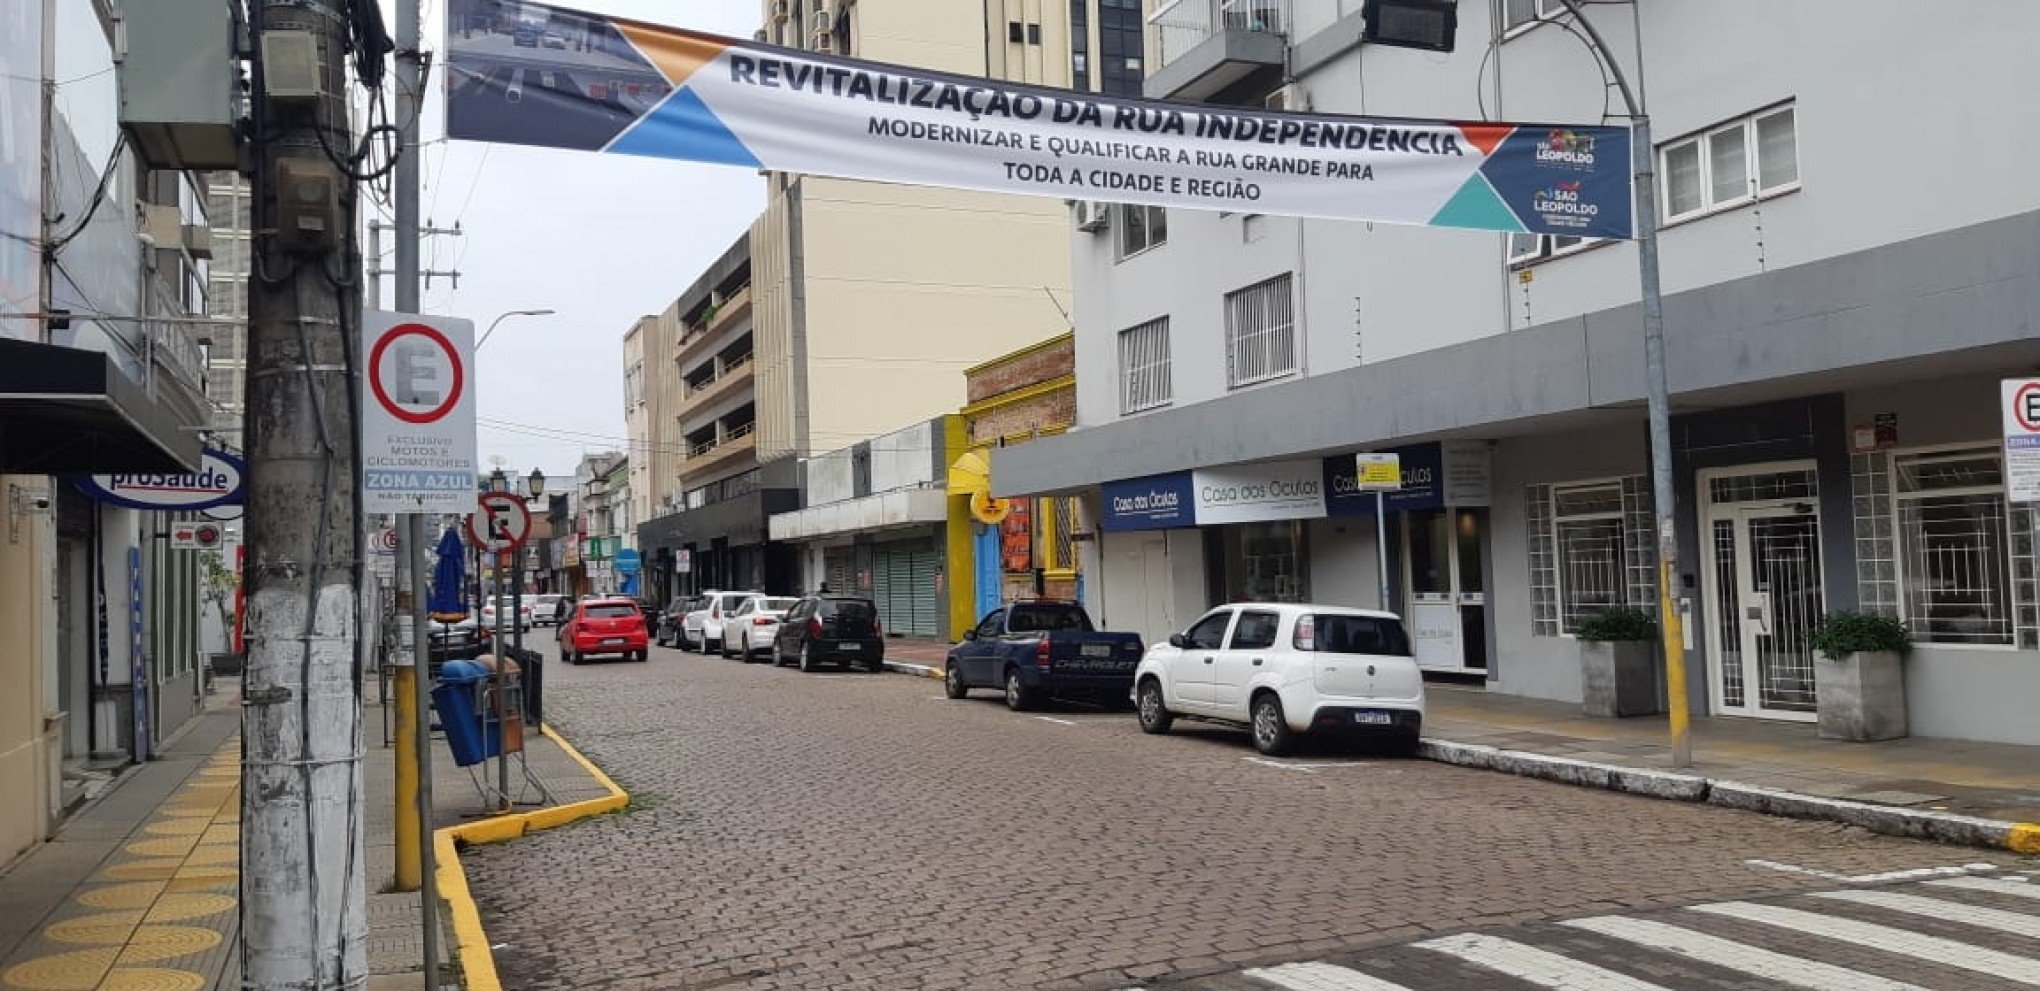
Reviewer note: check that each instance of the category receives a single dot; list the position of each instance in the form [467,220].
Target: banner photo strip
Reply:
[532,74]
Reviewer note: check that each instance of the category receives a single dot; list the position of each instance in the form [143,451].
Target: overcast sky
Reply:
[602,239]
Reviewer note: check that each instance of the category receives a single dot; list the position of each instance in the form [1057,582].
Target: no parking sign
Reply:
[417,414]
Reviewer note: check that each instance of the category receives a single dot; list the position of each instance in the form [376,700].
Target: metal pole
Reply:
[1381,545]
[502,680]
[303,856]
[410,821]
[410,86]
[1643,159]
[421,652]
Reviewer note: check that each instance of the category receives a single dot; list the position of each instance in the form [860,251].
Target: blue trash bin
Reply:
[453,697]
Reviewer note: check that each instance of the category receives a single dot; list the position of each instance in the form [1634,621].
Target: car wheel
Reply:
[1154,713]
[1019,697]
[807,658]
[1406,744]
[1272,735]
[705,648]
[567,655]
[641,656]
[875,665]
[952,682]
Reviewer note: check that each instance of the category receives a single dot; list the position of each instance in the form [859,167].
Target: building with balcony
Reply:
[1835,345]
[102,272]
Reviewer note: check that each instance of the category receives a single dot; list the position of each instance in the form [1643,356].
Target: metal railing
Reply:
[1181,25]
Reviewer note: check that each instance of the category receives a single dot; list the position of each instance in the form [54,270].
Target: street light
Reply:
[499,482]
[536,482]
[506,316]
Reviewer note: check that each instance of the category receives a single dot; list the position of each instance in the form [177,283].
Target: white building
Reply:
[1851,262]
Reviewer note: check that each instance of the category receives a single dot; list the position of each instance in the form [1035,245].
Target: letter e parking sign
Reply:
[2021,408]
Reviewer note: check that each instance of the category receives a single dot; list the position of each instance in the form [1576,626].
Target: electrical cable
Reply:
[98,197]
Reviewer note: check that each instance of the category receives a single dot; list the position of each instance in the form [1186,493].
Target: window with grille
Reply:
[1144,367]
[1955,584]
[1260,332]
[1587,534]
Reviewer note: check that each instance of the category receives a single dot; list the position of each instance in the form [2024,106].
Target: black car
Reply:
[830,629]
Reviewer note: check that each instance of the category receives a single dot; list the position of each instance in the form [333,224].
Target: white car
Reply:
[753,627]
[549,610]
[522,613]
[703,628]
[1283,670]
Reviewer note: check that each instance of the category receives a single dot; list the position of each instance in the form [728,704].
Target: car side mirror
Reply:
[1180,641]
[970,634]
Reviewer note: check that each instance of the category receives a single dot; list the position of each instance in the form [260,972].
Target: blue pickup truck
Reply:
[1040,648]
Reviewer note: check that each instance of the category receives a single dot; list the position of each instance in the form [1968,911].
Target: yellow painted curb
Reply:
[470,941]
[2023,837]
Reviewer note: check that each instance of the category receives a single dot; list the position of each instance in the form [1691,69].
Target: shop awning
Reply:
[906,507]
[67,410]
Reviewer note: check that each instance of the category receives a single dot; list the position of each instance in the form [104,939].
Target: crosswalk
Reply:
[1951,934]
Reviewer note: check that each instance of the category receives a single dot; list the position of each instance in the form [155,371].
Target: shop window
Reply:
[1589,546]
[1260,332]
[1953,563]
[1265,562]
[1731,165]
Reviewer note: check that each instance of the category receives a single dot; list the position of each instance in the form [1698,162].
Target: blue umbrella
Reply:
[446,604]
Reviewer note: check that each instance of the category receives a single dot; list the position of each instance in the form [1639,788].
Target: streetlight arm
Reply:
[505,316]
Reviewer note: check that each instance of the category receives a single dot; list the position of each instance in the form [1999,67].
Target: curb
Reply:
[923,670]
[470,941]
[1943,827]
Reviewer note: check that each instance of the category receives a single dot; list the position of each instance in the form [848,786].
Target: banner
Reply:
[528,73]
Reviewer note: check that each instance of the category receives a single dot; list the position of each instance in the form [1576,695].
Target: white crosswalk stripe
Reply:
[1704,948]
[2017,889]
[1886,938]
[1540,967]
[2016,923]
[1319,977]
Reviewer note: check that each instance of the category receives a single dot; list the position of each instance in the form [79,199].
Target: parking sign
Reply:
[2021,409]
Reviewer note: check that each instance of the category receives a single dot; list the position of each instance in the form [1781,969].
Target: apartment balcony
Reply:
[734,447]
[734,378]
[695,340]
[1206,49]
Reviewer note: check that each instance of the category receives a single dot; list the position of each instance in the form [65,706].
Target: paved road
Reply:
[846,831]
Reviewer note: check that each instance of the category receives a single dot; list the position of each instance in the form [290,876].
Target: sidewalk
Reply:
[1985,780]
[139,890]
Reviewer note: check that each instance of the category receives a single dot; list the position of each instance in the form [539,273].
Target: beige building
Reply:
[636,414]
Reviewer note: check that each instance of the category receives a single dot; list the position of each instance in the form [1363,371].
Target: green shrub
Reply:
[1843,633]
[1622,623]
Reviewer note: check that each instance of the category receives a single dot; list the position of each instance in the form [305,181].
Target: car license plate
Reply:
[1097,650]
[611,641]
[1374,718]
[848,648]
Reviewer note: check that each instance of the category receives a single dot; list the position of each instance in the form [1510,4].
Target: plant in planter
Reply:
[1618,663]
[1859,676]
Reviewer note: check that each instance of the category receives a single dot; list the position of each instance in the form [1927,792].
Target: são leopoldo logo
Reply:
[1563,147]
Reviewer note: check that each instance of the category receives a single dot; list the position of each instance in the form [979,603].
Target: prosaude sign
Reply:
[218,482]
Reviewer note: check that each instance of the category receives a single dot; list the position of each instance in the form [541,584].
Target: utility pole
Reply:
[410,78]
[305,919]
[1643,166]
[373,262]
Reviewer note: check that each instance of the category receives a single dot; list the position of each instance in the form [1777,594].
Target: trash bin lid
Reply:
[462,672]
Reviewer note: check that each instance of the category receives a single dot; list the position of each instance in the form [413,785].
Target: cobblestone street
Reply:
[859,831]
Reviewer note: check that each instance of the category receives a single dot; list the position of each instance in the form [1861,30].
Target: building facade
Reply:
[1834,352]
[1021,547]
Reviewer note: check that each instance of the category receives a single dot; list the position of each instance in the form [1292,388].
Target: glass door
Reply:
[1447,613]
[1764,598]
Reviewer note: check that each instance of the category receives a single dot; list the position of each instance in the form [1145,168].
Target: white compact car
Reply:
[703,627]
[522,613]
[1283,670]
[752,628]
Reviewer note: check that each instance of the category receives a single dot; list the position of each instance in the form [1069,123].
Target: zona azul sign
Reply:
[219,482]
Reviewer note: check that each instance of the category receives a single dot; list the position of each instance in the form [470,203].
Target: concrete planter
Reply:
[1619,678]
[1861,696]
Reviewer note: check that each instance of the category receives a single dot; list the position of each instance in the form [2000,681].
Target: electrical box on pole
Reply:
[177,76]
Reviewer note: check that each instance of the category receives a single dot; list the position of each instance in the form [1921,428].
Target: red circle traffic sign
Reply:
[506,519]
[382,395]
[2021,403]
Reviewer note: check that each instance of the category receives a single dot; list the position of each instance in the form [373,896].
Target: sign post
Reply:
[499,527]
[1380,474]
[417,456]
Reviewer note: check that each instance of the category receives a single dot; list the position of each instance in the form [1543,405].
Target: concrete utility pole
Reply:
[305,921]
[1663,493]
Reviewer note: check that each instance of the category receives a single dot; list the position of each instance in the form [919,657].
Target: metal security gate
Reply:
[903,586]
[839,566]
[1764,591]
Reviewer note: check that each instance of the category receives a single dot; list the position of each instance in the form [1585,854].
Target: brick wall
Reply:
[1021,371]
[1041,413]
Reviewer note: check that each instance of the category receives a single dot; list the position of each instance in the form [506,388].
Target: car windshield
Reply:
[1038,616]
[1339,634]
[610,611]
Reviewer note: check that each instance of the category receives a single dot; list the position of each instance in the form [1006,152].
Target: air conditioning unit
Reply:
[825,43]
[1093,216]
[163,226]
[198,240]
[781,11]
[824,22]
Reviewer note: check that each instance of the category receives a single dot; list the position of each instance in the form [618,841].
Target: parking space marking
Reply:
[1058,722]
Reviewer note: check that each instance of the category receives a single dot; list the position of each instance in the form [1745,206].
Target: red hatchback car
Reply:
[598,627]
